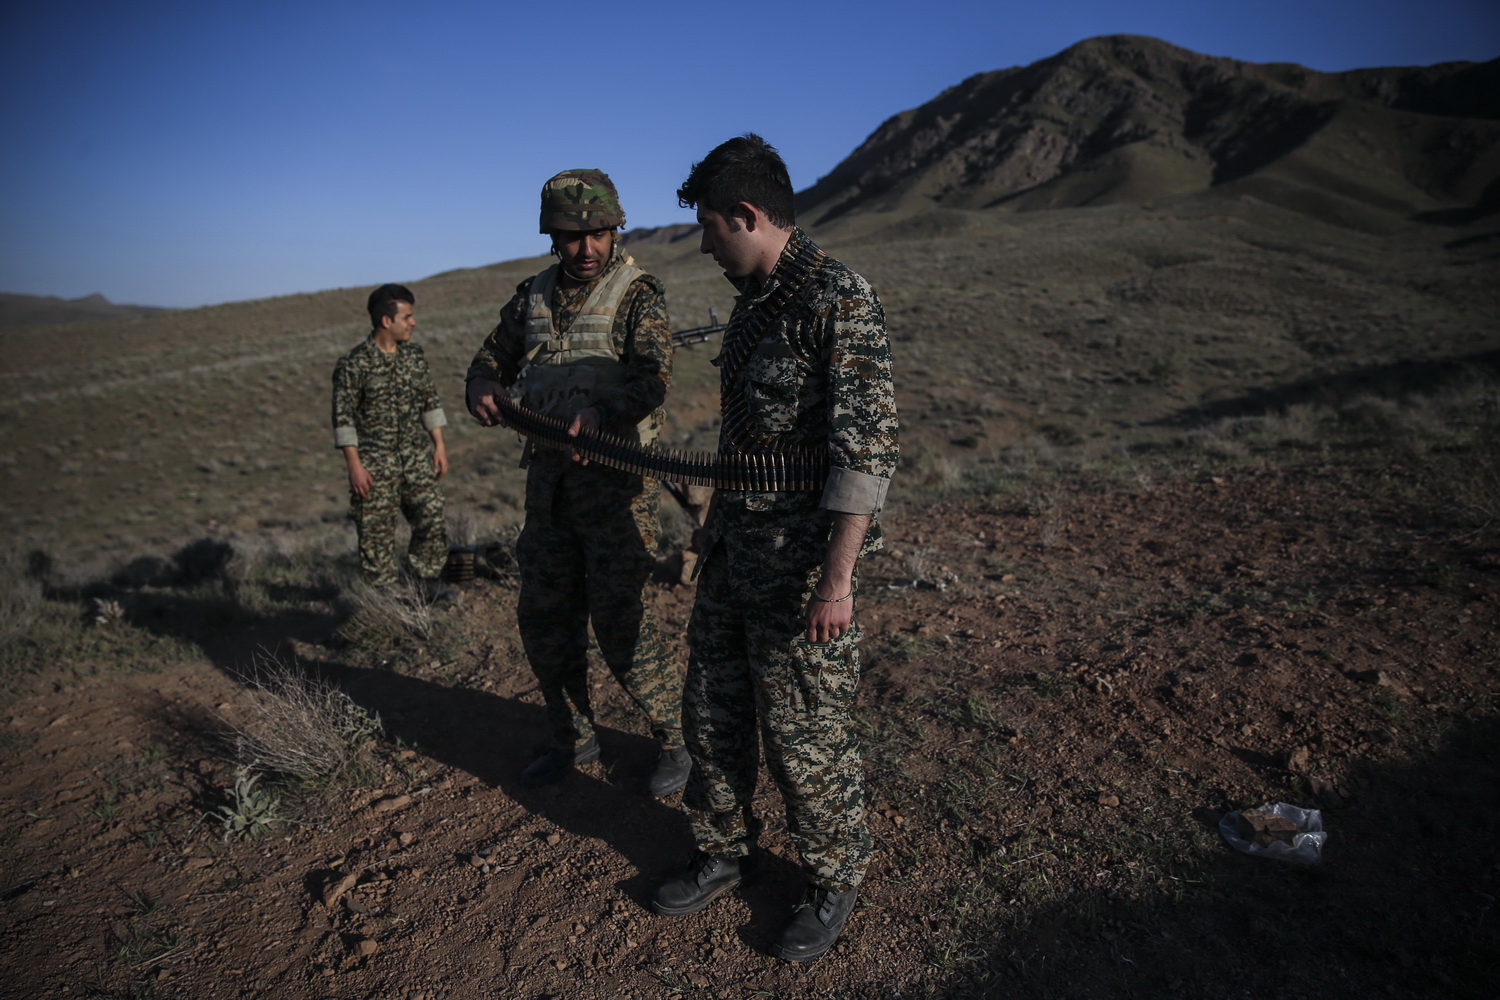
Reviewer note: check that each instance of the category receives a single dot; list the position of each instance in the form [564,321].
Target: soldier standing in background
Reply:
[806,365]
[587,341]
[388,422]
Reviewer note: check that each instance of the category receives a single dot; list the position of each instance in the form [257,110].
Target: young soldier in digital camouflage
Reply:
[806,364]
[389,424]
[587,341]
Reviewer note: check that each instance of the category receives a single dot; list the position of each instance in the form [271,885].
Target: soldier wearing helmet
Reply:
[587,341]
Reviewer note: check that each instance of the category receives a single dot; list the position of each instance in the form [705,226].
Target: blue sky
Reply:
[188,153]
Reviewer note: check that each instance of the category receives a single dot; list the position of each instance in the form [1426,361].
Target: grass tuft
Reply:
[300,727]
[386,618]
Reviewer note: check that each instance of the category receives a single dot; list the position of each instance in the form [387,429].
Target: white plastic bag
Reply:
[1307,843]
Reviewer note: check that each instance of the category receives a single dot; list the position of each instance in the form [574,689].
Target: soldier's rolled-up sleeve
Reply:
[432,407]
[345,403]
[863,428]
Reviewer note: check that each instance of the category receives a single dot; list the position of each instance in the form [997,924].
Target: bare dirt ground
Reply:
[1061,700]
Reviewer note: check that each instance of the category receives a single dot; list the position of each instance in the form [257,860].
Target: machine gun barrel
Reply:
[698,334]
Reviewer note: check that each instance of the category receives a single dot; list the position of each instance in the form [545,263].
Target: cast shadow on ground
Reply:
[1392,381]
[485,735]
[1402,904]
[493,738]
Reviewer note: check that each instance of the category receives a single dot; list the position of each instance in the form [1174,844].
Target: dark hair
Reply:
[383,302]
[745,168]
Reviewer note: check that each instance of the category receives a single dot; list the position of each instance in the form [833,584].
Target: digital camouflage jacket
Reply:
[821,376]
[385,404]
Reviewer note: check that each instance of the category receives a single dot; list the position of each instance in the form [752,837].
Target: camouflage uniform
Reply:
[385,405]
[820,376]
[587,550]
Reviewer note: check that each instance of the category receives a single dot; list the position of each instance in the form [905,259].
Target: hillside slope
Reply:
[1125,119]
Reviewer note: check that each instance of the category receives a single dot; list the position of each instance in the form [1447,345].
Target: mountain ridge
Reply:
[17,309]
[1124,118]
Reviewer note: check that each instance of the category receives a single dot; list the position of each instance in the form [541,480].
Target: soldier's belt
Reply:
[765,471]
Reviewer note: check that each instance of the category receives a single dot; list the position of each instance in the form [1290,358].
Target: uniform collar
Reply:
[754,290]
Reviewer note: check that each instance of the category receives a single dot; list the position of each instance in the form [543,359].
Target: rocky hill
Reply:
[1127,119]
[36,310]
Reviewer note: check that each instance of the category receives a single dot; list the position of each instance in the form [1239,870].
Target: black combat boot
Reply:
[552,766]
[816,924]
[671,772]
[705,880]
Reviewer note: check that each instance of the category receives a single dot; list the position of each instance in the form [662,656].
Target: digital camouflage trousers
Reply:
[410,492]
[752,672]
[586,555]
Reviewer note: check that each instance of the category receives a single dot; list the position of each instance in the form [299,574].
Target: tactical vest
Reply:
[563,371]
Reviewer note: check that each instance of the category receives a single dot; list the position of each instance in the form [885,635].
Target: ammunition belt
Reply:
[746,327]
[762,472]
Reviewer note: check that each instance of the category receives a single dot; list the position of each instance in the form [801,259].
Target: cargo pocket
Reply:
[827,672]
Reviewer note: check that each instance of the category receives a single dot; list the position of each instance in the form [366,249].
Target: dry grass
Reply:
[384,619]
[300,727]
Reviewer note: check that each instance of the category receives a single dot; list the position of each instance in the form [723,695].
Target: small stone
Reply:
[334,890]
[365,947]
[198,863]
[553,839]
[1109,800]
[391,803]
[1298,760]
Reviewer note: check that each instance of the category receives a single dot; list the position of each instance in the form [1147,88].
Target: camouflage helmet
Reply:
[580,201]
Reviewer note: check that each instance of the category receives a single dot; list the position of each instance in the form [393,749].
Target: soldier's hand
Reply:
[360,481]
[587,422]
[482,396]
[828,619]
[439,462]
